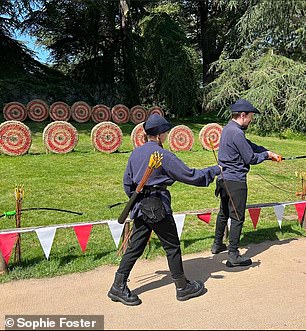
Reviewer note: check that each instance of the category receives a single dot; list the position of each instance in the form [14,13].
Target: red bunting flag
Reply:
[204,217]
[83,232]
[254,214]
[7,242]
[300,208]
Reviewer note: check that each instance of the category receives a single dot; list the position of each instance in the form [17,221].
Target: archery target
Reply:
[156,110]
[120,114]
[106,137]
[210,132]
[37,110]
[138,135]
[180,138]
[14,111]
[138,114]
[60,137]
[80,112]
[15,138]
[60,111]
[100,113]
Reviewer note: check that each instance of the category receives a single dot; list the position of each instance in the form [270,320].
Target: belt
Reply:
[154,188]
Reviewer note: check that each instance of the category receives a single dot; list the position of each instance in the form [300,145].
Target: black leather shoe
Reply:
[236,260]
[218,248]
[119,292]
[186,289]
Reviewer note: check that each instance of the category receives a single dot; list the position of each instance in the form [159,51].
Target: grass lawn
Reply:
[88,181]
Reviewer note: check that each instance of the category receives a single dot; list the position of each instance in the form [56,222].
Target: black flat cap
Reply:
[243,105]
[156,124]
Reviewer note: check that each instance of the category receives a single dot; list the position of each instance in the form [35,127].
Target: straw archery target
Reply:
[60,137]
[120,114]
[80,112]
[15,138]
[14,111]
[106,137]
[138,114]
[138,135]
[210,132]
[60,111]
[100,113]
[180,138]
[156,110]
[37,110]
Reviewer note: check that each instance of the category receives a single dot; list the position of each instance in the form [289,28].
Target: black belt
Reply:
[154,188]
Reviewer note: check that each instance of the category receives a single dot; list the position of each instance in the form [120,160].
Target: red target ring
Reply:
[14,111]
[138,135]
[138,114]
[120,114]
[106,137]
[60,137]
[37,110]
[180,138]
[210,133]
[15,138]
[100,113]
[60,111]
[80,112]
[156,110]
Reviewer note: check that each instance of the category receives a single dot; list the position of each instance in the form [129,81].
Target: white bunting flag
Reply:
[179,220]
[279,212]
[116,230]
[46,237]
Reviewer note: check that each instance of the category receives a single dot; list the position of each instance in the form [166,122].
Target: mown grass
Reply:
[88,181]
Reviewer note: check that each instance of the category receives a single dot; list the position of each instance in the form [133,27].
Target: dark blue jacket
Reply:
[171,170]
[236,153]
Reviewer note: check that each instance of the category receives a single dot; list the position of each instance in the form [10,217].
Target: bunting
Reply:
[7,242]
[83,230]
[46,237]
[204,217]
[254,214]
[300,208]
[279,212]
[82,233]
[179,220]
[116,231]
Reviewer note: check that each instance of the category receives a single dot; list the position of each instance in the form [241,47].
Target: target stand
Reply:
[180,138]
[60,137]
[106,137]
[15,138]
[210,133]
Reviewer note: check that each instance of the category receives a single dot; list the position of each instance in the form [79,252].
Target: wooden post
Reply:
[3,265]
[19,193]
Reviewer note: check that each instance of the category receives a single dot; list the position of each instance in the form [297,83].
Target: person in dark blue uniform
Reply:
[235,155]
[152,212]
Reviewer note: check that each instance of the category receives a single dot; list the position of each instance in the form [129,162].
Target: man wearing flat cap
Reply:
[152,211]
[235,155]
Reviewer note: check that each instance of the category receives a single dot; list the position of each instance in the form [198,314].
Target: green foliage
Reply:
[273,83]
[171,64]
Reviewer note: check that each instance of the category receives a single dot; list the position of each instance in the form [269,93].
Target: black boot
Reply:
[120,292]
[218,248]
[236,260]
[186,290]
